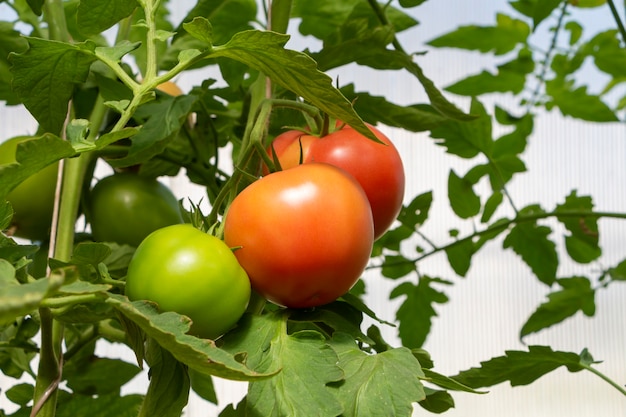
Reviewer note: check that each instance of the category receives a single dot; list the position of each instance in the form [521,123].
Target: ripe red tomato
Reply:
[190,272]
[33,199]
[304,235]
[377,167]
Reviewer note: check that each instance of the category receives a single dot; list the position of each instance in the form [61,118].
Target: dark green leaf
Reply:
[36,6]
[467,138]
[486,82]
[436,401]
[463,200]
[417,311]
[166,118]
[382,384]
[530,241]
[202,385]
[519,367]
[322,18]
[20,299]
[102,406]
[582,242]
[168,391]
[169,330]
[411,3]
[227,17]
[98,376]
[576,295]
[460,255]
[20,394]
[295,71]
[543,9]
[397,266]
[306,363]
[447,382]
[44,77]
[500,39]
[95,16]
[491,205]
[376,109]
[618,273]
[577,102]
[10,42]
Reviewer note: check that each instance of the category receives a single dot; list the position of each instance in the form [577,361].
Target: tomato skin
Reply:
[185,270]
[33,199]
[126,207]
[304,235]
[377,167]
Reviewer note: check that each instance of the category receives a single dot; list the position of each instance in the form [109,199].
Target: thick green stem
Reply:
[49,371]
[280,12]
[55,17]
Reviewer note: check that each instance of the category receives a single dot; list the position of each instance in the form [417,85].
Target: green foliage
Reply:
[98,92]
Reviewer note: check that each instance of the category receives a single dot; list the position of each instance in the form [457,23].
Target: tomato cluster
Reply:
[376,166]
[304,234]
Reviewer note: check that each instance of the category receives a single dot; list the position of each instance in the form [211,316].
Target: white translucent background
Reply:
[488,307]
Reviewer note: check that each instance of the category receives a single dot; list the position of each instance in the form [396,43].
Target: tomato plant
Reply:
[377,166]
[185,270]
[315,222]
[33,199]
[90,76]
[126,207]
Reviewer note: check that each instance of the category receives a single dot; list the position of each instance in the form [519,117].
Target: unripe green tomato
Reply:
[185,270]
[33,199]
[126,207]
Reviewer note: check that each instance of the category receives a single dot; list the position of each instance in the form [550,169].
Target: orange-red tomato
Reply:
[377,167]
[303,235]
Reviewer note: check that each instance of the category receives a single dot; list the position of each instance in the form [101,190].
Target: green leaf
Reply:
[577,102]
[20,299]
[437,401]
[531,242]
[98,376]
[491,205]
[165,119]
[397,266]
[322,17]
[544,9]
[306,362]
[337,316]
[376,109]
[486,82]
[168,391]
[463,200]
[32,156]
[582,243]
[576,295]
[202,385]
[44,77]
[519,367]
[36,6]
[499,39]
[447,382]
[417,311]
[382,384]
[411,3]
[295,71]
[460,255]
[227,17]
[169,330]
[467,138]
[10,42]
[96,16]
[21,394]
[101,406]
[618,273]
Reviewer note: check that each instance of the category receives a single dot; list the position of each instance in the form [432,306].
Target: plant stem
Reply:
[618,21]
[55,17]
[522,218]
[49,371]
[605,378]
